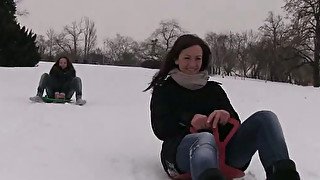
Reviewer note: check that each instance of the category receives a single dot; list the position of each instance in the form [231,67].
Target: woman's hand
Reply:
[56,95]
[218,116]
[62,95]
[199,121]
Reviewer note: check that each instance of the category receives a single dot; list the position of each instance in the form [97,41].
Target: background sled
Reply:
[46,99]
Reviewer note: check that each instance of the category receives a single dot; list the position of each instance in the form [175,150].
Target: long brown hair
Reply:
[183,42]
[69,64]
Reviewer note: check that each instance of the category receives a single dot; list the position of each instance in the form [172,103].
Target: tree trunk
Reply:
[316,79]
[315,64]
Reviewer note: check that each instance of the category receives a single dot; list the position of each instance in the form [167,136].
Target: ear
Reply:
[176,62]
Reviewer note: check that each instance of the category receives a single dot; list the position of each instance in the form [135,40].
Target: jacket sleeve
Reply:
[70,74]
[167,121]
[55,72]
[224,103]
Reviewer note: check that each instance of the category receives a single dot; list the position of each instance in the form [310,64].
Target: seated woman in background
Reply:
[60,83]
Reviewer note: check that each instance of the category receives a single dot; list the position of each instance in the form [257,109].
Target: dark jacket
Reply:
[172,108]
[61,78]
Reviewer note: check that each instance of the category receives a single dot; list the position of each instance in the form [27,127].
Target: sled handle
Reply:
[228,171]
[234,129]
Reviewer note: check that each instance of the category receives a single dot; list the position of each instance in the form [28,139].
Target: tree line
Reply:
[282,49]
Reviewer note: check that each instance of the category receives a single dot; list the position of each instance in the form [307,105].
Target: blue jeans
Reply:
[260,132]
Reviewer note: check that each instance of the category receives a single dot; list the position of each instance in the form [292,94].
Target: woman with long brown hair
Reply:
[183,99]
[60,83]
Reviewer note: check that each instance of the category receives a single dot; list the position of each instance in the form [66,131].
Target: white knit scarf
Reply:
[192,82]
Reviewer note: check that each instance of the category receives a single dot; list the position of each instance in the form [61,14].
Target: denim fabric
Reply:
[196,153]
[260,132]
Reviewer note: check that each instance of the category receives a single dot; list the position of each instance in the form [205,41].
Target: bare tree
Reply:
[50,42]
[223,52]
[216,64]
[229,62]
[52,45]
[73,32]
[151,50]
[274,32]
[121,49]
[305,17]
[167,33]
[90,36]
[63,43]
[259,55]
[41,43]
[245,41]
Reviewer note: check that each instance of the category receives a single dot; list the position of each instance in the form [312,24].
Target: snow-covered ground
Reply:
[111,138]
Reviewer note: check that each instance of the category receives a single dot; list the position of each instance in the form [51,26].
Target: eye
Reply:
[199,58]
[187,58]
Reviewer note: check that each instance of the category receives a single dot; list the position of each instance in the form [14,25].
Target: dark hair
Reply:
[183,42]
[69,64]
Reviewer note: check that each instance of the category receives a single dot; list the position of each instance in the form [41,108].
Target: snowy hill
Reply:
[111,137]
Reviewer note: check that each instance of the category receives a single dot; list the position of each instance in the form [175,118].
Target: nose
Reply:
[192,63]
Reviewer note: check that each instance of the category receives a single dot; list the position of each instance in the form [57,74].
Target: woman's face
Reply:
[63,63]
[190,60]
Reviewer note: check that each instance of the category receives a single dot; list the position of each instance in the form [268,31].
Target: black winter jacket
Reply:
[62,78]
[172,108]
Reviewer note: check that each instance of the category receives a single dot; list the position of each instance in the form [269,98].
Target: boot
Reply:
[211,174]
[283,170]
[80,101]
[36,98]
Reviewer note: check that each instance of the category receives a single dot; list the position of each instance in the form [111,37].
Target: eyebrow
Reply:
[190,55]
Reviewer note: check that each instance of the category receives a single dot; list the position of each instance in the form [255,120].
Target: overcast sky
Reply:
[139,18]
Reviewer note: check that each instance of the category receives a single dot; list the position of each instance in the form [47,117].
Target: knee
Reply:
[266,118]
[204,147]
[44,79]
[76,79]
[205,138]
[44,76]
[205,135]
[265,113]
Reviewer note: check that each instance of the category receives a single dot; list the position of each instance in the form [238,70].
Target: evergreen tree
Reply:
[17,45]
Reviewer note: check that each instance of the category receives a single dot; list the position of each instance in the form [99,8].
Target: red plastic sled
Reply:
[228,171]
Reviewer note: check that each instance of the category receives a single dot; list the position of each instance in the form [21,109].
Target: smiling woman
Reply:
[191,115]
